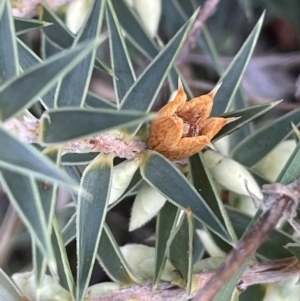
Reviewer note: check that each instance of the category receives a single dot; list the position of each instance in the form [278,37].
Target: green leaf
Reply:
[291,170]
[265,139]
[124,76]
[40,79]
[161,174]
[143,93]
[58,36]
[294,248]
[8,290]
[64,272]
[233,75]
[8,48]
[181,249]
[94,101]
[47,194]
[136,33]
[78,159]
[28,59]
[77,81]
[112,260]
[203,182]
[92,207]
[32,162]
[23,193]
[246,116]
[57,32]
[273,247]
[23,25]
[166,221]
[79,123]
[39,264]
[230,288]
[69,231]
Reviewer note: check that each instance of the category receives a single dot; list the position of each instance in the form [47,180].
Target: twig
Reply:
[270,272]
[280,199]
[26,128]
[206,11]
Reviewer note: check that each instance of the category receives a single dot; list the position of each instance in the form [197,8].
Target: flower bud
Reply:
[76,14]
[210,246]
[147,204]
[103,288]
[231,174]
[149,12]
[141,260]
[288,290]
[50,290]
[271,165]
[121,177]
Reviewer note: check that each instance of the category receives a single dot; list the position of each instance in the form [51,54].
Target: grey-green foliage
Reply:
[60,84]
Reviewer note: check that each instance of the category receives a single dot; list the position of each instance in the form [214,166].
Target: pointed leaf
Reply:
[246,116]
[124,76]
[92,207]
[160,173]
[23,25]
[69,231]
[79,123]
[78,159]
[27,60]
[291,170]
[31,162]
[39,264]
[57,32]
[165,223]
[77,81]
[8,291]
[48,192]
[273,247]
[64,272]
[23,193]
[265,139]
[8,48]
[112,260]
[94,101]
[202,181]
[134,29]
[143,93]
[233,75]
[181,248]
[40,79]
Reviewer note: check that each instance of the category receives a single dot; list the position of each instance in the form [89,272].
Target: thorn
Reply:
[180,86]
[214,91]
[231,119]
[210,145]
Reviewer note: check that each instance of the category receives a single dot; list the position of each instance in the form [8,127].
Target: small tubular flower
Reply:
[184,128]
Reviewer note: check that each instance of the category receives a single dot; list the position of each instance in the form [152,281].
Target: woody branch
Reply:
[26,128]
